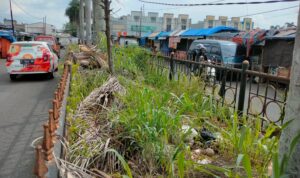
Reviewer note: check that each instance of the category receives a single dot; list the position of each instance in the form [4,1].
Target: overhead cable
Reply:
[219,4]
[264,12]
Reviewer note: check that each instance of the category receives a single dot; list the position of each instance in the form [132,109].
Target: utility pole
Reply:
[45,29]
[292,112]
[98,16]
[106,7]
[12,19]
[81,21]
[141,21]
[88,18]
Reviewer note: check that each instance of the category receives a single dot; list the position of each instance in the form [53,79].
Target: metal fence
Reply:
[248,92]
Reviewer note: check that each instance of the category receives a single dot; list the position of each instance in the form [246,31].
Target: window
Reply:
[169,21]
[236,25]
[136,18]
[183,27]
[223,23]
[50,47]
[210,23]
[215,50]
[169,28]
[183,21]
[247,26]
[153,19]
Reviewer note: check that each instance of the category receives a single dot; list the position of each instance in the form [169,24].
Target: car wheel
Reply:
[50,75]
[13,77]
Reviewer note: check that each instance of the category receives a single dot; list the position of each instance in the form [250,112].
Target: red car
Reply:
[51,40]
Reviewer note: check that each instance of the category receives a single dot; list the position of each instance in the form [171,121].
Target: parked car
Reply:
[51,40]
[32,57]
[222,52]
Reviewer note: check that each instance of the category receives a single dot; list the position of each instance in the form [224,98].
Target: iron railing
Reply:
[248,92]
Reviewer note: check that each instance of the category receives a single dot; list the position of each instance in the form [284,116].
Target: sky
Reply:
[30,11]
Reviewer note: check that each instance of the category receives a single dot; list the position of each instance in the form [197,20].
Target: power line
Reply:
[181,7]
[219,4]
[20,7]
[264,12]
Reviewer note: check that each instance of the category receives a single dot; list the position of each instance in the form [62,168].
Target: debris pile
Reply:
[96,133]
[90,57]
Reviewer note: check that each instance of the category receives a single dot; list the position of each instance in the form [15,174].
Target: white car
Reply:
[31,57]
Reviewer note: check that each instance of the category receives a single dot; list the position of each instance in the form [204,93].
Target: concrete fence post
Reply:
[47,143]
[40,168]
[52,124]
[55,112]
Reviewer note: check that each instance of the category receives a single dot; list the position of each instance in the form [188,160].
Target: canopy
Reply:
[206,31]
[146,35]
[7,35]
[153,36]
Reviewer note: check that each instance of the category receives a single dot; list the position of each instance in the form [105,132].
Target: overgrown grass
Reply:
[149,125]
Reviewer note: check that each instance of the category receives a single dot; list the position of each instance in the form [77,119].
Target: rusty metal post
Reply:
[172,71]
[242,91]
[40,168]
[47,143]
[52,124]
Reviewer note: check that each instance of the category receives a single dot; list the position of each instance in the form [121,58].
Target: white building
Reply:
[40,28]
[138,22]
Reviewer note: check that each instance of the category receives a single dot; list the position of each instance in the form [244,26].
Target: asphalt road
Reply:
[24,106]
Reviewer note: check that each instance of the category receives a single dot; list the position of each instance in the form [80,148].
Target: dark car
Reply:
[223,52]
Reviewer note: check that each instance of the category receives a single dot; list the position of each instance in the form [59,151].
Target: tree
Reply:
[72,12]
[292,112]
[106,6]
[70,28]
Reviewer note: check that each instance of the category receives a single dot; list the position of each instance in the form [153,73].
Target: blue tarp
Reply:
[143,39]
[146,35]
[7,35]
[154,36]
[207,31]
[163,34]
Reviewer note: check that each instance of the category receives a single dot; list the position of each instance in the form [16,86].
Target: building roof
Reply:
[206,31]
[285,34]
[177,33]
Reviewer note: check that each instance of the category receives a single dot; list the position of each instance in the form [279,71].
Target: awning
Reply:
[146,35]
[153,36]
[163,35]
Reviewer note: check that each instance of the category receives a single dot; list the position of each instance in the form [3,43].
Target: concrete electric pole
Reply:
[81,21]
[88,19]
[292,112]
[98,19]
